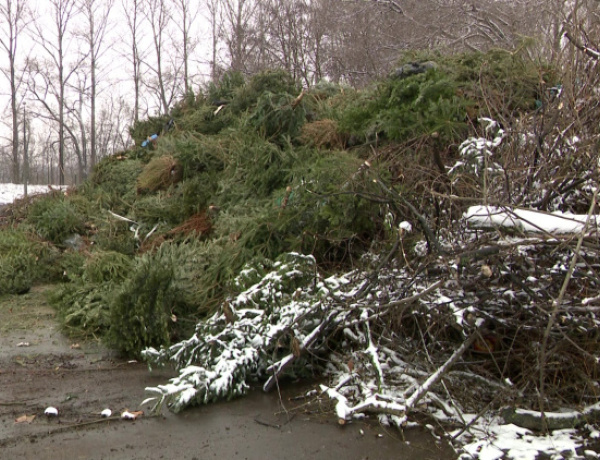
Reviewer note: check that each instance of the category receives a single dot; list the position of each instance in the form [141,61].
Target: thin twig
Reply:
[477,417]
[412,298]
[557,305]
[278,367]
[412,401]
[422,220]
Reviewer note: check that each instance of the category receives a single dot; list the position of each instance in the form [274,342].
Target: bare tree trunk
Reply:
[12,16]
[185,31]
[56,48]
[80,142]
[187,16]
[238,18]
[96,12]
[25,152]
[63,12]
[215,28]
[297,30]
[133,23]
[61,29]
[158,18]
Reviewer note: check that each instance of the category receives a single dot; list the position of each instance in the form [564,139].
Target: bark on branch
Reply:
[594,54]
[412,401]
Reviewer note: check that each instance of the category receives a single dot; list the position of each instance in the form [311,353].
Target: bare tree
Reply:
[215,21]
[113,121]
[159,19]
[366,37]
[580,26]
[239,18]
[75,125]
[55,72]
[319,30]
[26,139]
[187,16]
[296,31]
[360,41]
[13,19]
[96,13]
[133,10]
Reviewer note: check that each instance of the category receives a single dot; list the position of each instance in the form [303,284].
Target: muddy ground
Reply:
[41,367]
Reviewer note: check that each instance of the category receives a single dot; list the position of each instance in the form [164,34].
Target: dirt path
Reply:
[39,367]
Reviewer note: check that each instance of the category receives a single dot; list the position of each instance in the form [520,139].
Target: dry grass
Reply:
[159,174]
[199,225]
[323,134]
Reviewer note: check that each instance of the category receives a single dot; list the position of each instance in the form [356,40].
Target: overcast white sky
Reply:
[114,71]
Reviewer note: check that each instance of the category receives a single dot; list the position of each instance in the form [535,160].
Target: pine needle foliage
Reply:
[329,212]
[254,168]
[409,107]
[226,87]
[276,82]
[112,183]
[323,134]
[445,97]
[251,230]
[251,331]
[142,129]
[25,260]
[163,296]
[209,119]
[259,168]
[114,235]
[17,211]
[83,304]
[159,174]
[198,193]
[197,225]
[268,172]
[203,159]
[16,273]
[104,266]
[18,240]
[278,117]
[507,83]
[83,309]
[55,218]
[327,101]
[139,314]
[327,90]
[162,208]
[198,154]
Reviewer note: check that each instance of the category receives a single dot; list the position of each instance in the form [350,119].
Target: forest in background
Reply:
[78,73]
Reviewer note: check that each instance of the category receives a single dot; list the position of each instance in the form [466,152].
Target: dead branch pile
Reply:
[489,325]
[509,287]
[455,319]
[532,297]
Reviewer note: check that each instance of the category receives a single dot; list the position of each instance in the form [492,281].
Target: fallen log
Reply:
[536,421]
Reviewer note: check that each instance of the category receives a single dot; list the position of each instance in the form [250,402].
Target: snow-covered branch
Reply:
[529,220]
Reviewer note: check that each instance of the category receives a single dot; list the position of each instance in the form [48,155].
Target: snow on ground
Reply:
[11,192]
[495,441]
[492,439]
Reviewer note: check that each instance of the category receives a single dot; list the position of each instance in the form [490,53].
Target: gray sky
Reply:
[114,73]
